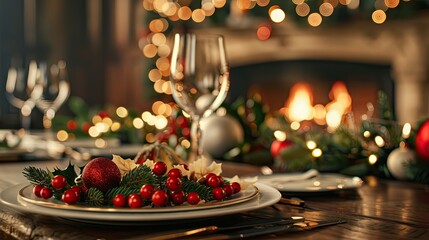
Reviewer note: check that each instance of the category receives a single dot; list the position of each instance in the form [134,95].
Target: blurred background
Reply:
[117,51]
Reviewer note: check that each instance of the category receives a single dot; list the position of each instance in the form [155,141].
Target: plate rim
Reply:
[358,182]
[267,197]
[51,203]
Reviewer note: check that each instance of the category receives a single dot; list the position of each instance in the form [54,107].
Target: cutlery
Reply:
[211,229]
[275,229]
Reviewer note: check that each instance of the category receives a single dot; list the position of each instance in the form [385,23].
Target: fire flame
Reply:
[300,105]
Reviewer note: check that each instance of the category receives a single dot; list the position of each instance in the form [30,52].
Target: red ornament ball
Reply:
[422,141]
[175,172]
[277,146]
[229,190]
[101,173]
[214,181]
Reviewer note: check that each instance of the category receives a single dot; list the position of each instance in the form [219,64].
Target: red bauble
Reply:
[178,197]
[422,141]
[175,172]
[214,181]
[101,173]
[236,186]
[277,146]
[229,190]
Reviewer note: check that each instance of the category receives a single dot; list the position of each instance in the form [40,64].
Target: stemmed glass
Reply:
[199,76]
[22,92]
[56,90]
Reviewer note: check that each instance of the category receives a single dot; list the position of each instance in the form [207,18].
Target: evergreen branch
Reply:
[111,193]
[95,197]
[202,190]
[37,176]
[138,176]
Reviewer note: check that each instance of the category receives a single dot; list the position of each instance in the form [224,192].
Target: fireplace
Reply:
[368,58]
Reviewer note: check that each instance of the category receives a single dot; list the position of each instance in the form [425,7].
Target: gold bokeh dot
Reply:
[314,19]
[262,3]
[391,3]
[219,3]
[159,39]
[154,75]
[198,15]
[326,9]
[184,13]
[163,63]
[150,50]
[379,16]
[302,9]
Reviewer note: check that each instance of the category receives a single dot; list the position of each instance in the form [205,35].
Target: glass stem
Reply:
[196,147]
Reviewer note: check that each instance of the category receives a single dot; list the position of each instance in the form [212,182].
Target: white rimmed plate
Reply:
[26,195]
[324,182]
[267,196]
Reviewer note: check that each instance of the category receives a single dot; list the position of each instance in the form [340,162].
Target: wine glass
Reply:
[199,77]
[22,92]
[56,90]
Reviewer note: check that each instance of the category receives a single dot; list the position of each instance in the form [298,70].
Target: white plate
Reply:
[324,182]
[26,195]
[267,197]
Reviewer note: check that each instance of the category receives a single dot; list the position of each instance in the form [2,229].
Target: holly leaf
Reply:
[69,173]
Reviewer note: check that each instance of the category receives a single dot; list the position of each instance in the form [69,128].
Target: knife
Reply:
[276,229]
[211,229]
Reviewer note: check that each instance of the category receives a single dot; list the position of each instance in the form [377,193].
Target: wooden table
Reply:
[381,209]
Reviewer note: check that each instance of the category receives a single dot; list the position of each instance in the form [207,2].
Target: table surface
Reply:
[380,209]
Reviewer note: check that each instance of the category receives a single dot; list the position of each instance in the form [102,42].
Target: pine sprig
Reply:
[120,190]
[202,190]
[138,176]
[37,176]
[95,197]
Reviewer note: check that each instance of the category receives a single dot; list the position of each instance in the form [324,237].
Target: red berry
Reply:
[178,197]
[86,126]
[147,190]
[36,190]
[236,186]
[119,200]
[71,125]
[229,190]
[70,196]
[134,200]
[208,175]
[58,182]
[218,193]
[77,189]
[173,183]
[159,198]
[214,181]
[46,193]
[175,172]
[186,132]
[193,198]
[103,114]
[159,168]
